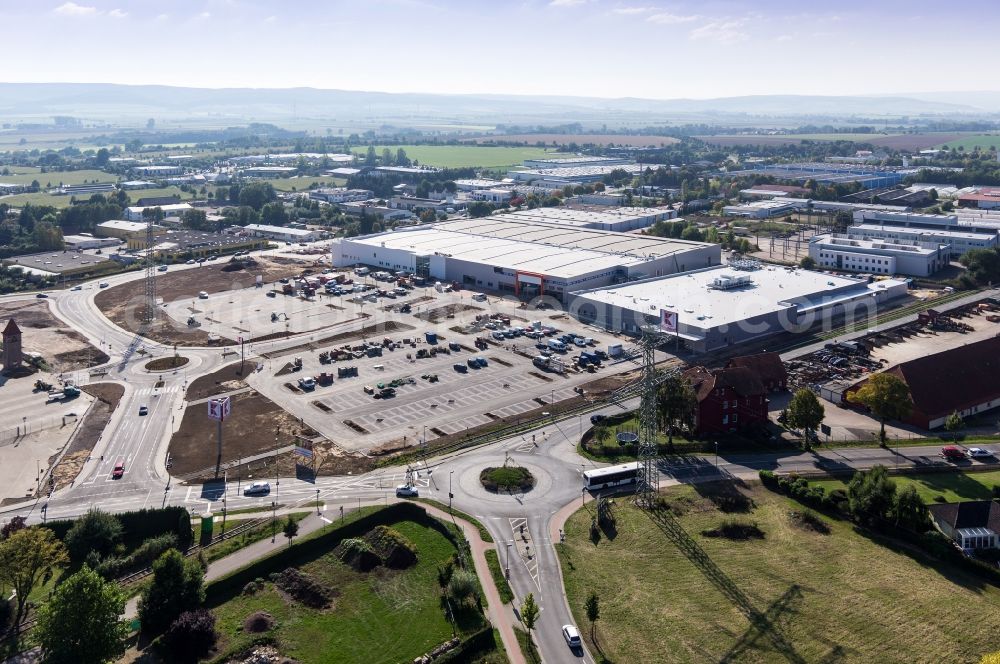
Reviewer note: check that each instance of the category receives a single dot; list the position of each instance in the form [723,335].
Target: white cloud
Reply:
[205,15]
[566,3]
[270,19]
[117,13]
[73,9]
[162,17]
[666,18]
[784,38]
[631,11]
[722,32]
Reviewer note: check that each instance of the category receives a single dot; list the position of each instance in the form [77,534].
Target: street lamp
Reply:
[450,473]
[317,502]
[716,455]
[507,570]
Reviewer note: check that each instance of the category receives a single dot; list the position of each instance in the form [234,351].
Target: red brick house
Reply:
[768,367]
[730,400]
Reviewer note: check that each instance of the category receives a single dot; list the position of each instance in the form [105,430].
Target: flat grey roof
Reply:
[699,306]
[625,244]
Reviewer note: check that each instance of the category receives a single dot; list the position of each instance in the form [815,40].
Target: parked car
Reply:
[143,410]
[572,636]
[406,491]
[257,489]
[597,418]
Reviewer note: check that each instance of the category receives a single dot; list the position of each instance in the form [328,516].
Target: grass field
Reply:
[302,183]
[376,617]
[939,487]
[815,597]
[54,178]
[460,156]
[982,141]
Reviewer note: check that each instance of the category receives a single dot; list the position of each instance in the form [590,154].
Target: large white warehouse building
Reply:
[720,306]
[524,258]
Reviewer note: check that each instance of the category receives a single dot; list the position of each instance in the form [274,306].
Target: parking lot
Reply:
[435,398]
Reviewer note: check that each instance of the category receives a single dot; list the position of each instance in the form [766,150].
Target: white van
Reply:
[362,271]
[556,345]
[479,297]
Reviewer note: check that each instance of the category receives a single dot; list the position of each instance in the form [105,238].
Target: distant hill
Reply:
[106,100]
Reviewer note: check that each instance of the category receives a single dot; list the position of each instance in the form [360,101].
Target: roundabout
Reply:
[166,363]
[507,479]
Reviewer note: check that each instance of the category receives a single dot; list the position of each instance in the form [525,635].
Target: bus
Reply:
[612,476]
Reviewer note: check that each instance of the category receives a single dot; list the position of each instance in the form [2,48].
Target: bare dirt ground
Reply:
[94,422]
[440,313]
[226,379]
[900,142]
[330,460]
[64,349]
[255,425]
[582,139]
[123,304]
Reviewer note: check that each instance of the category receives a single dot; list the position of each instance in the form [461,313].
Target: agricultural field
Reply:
[54,178]
[982,141]
[938,487]
[759,583]
[890,141]
[462,156]
[640,141]
[303,183]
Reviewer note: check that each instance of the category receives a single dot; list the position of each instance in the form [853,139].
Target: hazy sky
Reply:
[607,48]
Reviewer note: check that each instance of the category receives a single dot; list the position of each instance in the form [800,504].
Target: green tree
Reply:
[81,623]
[480,209]
[102,157]
[401,158]
[96,531]
[909,511]
[386,157]
[370,158]
[692,233]
[27,557]
[47,236]
[870,494]
[176,587]
[256,194]
[805,412]
[982,265]
[274,214]
[886,396]
[290,529]
[807,263]
[953,422]
[529,613]
[196,219]
[602,434]
[593,608]
[675,404]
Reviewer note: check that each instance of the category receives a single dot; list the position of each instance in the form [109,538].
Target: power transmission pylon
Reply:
[149,310]
[649,473]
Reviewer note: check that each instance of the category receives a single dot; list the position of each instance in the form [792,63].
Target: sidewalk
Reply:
[499,615]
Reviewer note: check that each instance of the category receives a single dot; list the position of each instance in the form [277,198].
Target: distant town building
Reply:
[845,252]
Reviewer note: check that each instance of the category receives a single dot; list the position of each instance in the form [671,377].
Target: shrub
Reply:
[507,478]
[811,521]
[736,529]
[462,586]
[150,550]
[191,636]
[96,531]
[253,587]
[392,547]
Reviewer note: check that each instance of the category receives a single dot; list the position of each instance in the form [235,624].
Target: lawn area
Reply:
[459,156]
[937,487]
[381,616]
[983,141]
[819,597]
[302,183]
[53,178]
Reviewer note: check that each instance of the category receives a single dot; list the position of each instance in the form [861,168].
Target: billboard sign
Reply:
[668,321]
[304,449]
[218,409]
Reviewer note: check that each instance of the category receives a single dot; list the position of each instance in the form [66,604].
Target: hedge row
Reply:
[141,525]
[312,547]
[798,488]
[472,648]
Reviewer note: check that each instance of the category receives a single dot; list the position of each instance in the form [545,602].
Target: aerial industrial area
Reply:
[325,376]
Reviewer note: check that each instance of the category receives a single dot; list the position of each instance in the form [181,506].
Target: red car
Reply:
[952,453]
[119,470]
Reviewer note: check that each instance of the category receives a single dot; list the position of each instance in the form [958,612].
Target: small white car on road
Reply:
[978,453]
[406,491]
[572,636]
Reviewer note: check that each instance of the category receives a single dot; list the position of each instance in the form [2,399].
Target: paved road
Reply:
[549,452]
